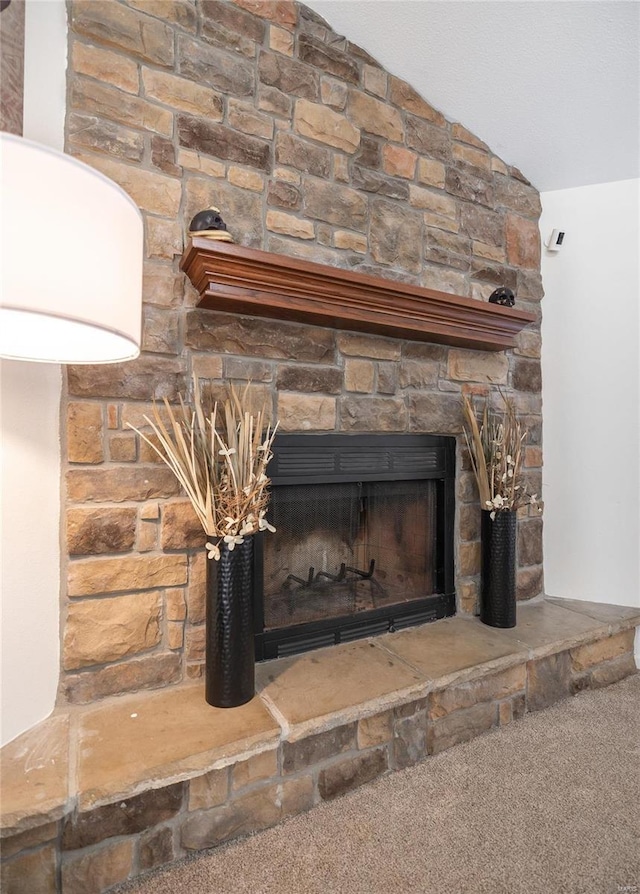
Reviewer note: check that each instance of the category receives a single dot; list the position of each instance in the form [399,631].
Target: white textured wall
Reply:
[591,393]
[30,455]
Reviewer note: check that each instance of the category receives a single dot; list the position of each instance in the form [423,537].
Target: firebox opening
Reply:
[363,542]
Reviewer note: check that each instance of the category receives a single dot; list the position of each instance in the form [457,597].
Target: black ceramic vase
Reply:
[230,651]
[498,580]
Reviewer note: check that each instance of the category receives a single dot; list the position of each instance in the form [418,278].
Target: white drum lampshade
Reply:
[71,249]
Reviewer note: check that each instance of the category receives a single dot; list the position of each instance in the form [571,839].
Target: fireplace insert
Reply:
[363,542]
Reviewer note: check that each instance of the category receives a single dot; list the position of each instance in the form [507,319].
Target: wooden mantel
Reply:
[243,280]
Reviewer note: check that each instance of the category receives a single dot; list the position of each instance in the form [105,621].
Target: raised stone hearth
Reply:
[96,795]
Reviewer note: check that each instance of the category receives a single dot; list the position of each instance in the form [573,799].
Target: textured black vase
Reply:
[498,581]
[230,656]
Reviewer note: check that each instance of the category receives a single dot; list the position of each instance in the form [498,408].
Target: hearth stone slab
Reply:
[35,773]
[143,742]
[455,649]
[543,627]
[620,617]
[329,687]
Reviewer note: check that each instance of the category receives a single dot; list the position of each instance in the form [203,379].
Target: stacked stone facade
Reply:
[312,150]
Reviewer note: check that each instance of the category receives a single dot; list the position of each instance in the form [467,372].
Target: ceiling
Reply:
[553,86]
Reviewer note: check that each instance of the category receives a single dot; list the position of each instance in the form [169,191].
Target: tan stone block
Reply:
[359,375]
[287,175]
[119,483]
[377,348]
[196,642]
[471,156]
[528,344]
[584,657]
[281,40]
[84,433]
[246,179]
[333,93]
[176,607]
[478,366]
[375,80]
[150,511]
[160,330]
[112,416]
[147,537]
[375,116]
[102,630]
[371,414]
[533,457]
[498,165]
[284,12]
[461,726]
[465,695]
[351,241]
[467,591]
[28,839]
[419,373]
[523,242]
[375,730]
[288,225]
[100,869]
[341,168]
[163,238]
[123,448]
[206,367]
[209,790]
[450,225]
[182,93]
[92,576]
[435,202]
[306,412]
[468,558]
[490,252]
[123,28]
[179,12]
[181,528]
[153,671]
[107,102]
[321,123]
[404,95]
[458,132]
[152,192]
[431,172]
[175,634]
[104,530]
[30,872]
[196,590]
[243,117]
[103,65]
[260,766]
[161,285]
[194,161]
[398,161]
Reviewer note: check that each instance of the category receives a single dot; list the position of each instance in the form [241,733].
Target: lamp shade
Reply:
[71,249]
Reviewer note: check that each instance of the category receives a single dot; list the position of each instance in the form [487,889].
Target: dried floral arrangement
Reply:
[220,457]
[496,446]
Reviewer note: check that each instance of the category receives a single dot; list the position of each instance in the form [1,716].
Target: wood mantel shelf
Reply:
[243,280]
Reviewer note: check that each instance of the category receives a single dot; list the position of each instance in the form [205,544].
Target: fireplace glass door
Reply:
[363,541]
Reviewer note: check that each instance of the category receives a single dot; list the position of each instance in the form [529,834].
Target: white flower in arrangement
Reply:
[213,551]
[263,524]
[232,540]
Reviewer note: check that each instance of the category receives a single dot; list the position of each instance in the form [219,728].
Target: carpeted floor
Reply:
[549,805]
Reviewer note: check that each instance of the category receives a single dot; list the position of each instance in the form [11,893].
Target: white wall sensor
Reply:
[555,241]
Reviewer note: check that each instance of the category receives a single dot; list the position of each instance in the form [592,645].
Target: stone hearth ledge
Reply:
[82,758]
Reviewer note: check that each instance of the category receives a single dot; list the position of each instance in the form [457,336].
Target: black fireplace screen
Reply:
[363,542]
[348,548]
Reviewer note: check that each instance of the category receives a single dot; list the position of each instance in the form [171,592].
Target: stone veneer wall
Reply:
[310,149]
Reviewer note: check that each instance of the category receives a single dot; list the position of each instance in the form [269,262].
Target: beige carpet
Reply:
[548,805]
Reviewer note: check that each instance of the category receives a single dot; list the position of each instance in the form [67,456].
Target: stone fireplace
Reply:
[313,152]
